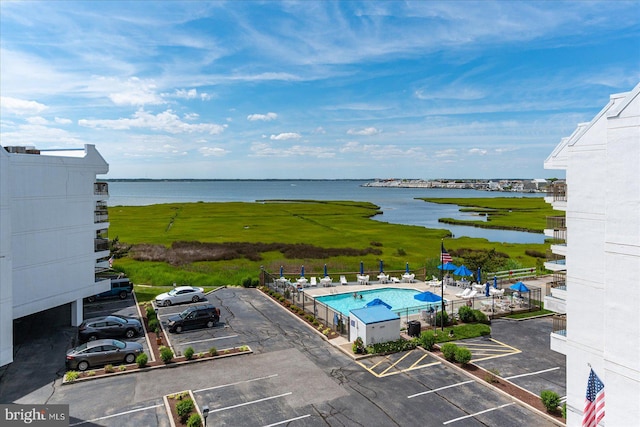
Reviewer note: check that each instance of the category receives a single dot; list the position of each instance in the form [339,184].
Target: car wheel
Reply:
[130,333]
[130,358]
[210,324]
[195,298]
[92,338]
[178,329]
[91,299]
[83,366]
[167,303]
[122,295]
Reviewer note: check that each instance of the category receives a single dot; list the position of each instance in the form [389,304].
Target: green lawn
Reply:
[326,226]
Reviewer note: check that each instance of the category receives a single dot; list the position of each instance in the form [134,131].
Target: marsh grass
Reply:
[273,234]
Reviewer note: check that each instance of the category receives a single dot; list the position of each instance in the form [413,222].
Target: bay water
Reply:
[399,205]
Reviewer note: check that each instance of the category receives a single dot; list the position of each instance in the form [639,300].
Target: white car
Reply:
[180,294]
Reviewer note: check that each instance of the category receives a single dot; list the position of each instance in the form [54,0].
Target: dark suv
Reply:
[121,287]
[196,316]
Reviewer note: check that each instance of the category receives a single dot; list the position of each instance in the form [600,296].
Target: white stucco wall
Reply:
[48,205]
[6,283]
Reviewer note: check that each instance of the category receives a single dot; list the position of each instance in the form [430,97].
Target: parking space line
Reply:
[386,372]
[478,413]
[420,360]
[288,421]
[438,389]
[489,351]
[393,365]
[116,415]
[209,339]
[264,399]
[532,373]
[236,383]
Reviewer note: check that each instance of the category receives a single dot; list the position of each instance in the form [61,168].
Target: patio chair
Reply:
[464,293]
[343,280]
[471,295]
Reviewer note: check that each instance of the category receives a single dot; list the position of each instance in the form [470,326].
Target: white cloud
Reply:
[63,121]
[20,106]
[285,136]
[136,92]
[450,152]
[212,151]
[366,131]
[264,117]
[319,130]
[37,120]
[191,116]
[479,151]
[166,121]
[262,149]
[186,94]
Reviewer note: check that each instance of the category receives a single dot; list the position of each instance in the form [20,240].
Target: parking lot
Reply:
[294,377]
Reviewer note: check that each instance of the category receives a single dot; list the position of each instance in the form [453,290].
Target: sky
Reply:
[312,89]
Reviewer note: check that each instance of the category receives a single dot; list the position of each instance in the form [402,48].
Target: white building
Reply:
[53,233]
[374,324]
[602,293]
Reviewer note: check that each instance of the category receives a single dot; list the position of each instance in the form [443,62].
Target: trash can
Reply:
[414,327]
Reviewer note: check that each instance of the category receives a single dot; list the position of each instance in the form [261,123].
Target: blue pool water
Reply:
[400,300]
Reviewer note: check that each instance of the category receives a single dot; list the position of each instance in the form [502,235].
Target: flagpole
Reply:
[442,285]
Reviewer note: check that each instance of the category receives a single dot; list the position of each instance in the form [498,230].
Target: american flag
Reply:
[594,401]
[444,256]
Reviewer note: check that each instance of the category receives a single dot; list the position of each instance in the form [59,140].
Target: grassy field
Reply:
[509,213]
[242,237]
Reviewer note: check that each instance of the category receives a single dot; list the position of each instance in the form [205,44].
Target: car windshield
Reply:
[118,319]
[185,313]
[119,344]
[81,347]
[172,292]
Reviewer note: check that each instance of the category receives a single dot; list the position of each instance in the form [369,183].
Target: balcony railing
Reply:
[100,216]
[100,244]
[559,325]
[558,191]
[553,257]
[101,188]
[559,280]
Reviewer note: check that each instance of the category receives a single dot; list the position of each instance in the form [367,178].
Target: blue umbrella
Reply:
[447,267]
[486,290]
[407,268]
[381,266]
[462,271]
[479,276]
[427,297]
[302,272]
[325,270]
[361,267]
[495,282]
[281,271]
[520,287]
[378,301]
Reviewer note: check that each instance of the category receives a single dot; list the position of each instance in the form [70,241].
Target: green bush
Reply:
[564,410]
[449,351]
[358,346]
[108,369]
[466,314]
[442,315]
[246,282]
[151,312]
[188,353]
[480,317]
[142,360]
[71,376]
[166,354]
[550,400]
[194,421]
[427,339]
[463,355]
[153,324]
[184,408]
[213,351]
[255,282]
[391,346]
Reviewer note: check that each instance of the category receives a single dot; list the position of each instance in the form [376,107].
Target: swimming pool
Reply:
[400,300]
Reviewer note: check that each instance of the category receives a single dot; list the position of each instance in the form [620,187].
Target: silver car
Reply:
[179,295]
[102,352]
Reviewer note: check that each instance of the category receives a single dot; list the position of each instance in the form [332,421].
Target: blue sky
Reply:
[306,89]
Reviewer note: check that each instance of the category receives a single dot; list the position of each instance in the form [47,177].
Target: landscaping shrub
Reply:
[154,324]
[246,282]
[188,353]
[492,376]
[108,369]
[466,314]
[449,351]
[391,346]
[151,312]
[480,317]
[358,346]
[564,410]
[550,400]
[166,354]
[427,340]
[194,421]
[71,376]
[142,360]
[255,282]
[213,351]
[442,315]
[463,355]
[184,408]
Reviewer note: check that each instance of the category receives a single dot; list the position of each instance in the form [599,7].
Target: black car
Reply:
[197,316]
[102,352]
[109,327]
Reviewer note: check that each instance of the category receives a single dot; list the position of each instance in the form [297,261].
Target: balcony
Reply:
[559,334]
[101,212]
[557,195]
[555,262]
[100,244]
[101,188]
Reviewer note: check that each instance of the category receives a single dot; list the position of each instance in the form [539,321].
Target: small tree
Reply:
[142,360]
[550,400]
[188,353]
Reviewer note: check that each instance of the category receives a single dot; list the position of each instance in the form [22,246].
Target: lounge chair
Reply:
[464,293]
[471,295]
[343,280]
[314,281]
